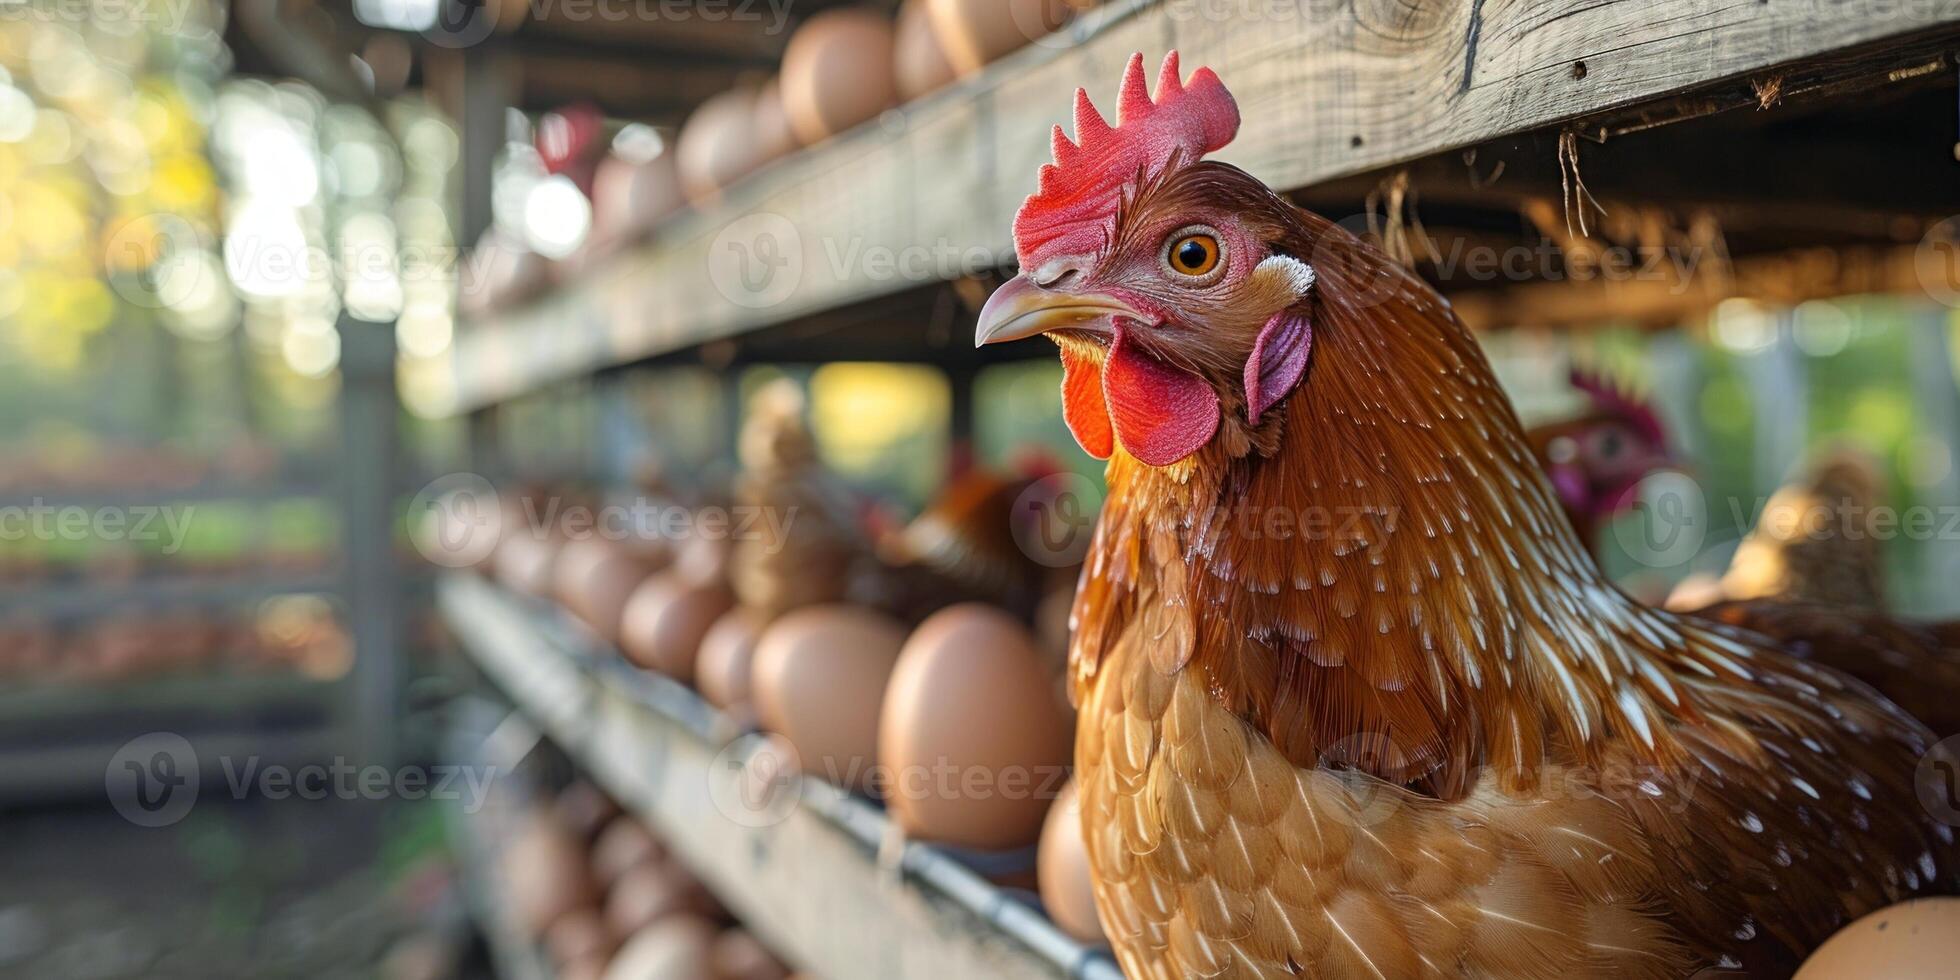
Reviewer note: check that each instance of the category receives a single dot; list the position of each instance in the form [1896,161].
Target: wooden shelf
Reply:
[1326,91]
[206,691]
[154,592]
[825,880]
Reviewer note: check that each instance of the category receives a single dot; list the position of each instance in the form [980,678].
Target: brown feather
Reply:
[1419,734]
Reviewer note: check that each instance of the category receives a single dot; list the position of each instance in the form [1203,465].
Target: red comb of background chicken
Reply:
[1609,398]
[1073,212]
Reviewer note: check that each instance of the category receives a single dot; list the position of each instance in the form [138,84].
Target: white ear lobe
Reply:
[1298,274]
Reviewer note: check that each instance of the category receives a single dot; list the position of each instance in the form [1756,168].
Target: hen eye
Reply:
[1192,253]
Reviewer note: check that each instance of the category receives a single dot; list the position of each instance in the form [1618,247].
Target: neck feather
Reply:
[1385,562]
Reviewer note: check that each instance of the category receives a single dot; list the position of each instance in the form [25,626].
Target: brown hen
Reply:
[1355,700]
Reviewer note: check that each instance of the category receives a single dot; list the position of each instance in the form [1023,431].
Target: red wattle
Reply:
[1160,413]
[1082,404]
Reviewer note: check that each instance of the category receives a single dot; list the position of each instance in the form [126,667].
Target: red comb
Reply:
[1074,208]
[1610,399]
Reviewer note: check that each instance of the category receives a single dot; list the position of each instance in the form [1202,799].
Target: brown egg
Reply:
[702,560]
[676,949]
[525,560]
[774,136]
[1062,864]
[587,968]
[972,737]
[820,677]
[631,194]
[1915,940]
[545,875]
[725,666]
[594,577]
[580,934]
[665,619]
[837,72]
[717,145]
[919,63]
[584,810]
[625,844]
[977,32]
[737,955]
[652,892]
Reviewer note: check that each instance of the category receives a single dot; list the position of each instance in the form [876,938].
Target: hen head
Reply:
[1167,281]
[1598,459]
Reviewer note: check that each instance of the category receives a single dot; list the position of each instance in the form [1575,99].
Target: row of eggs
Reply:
[842,68]
[959,724]
[604,899]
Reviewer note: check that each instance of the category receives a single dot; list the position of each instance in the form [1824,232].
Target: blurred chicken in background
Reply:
[1597,460]
[1811,575]
[1813,543]
[811,560]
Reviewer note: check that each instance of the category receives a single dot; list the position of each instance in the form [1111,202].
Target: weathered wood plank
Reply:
[1327,88]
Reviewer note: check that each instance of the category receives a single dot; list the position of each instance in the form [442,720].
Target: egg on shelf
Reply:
[819,682]
[919,62]
[738,955]
[724,668]
[1915,940]
[774,137]
[702,559]
[625,844]
[1062,868]
[673,949]
[526,559]
[594,577]
[651,893]
[664,620]
[589,968]
[545,875]
[838,72]
[579,935]
[973,740]
[584,810]
[978,32]
[717,145]
[636,186]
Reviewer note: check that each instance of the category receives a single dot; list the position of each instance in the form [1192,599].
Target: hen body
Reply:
[1356,702]
[1432,740]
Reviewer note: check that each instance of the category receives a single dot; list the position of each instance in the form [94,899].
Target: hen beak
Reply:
[1020,308]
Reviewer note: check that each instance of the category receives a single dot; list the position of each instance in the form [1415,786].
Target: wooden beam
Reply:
[1326,89]
[1660,301]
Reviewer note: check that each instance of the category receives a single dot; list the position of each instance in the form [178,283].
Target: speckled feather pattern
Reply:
[1420,735]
